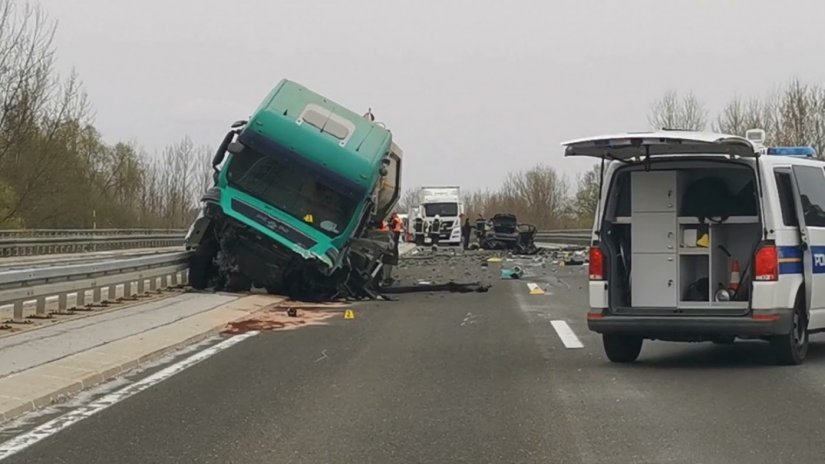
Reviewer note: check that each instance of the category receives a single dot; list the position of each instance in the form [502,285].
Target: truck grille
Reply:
[275,225]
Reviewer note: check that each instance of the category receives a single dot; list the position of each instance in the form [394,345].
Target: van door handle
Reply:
[670,283]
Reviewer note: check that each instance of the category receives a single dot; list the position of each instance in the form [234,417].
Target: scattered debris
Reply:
[514,273]
[453,287]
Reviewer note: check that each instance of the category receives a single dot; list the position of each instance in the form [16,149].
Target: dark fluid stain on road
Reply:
[248,325]
[285,316]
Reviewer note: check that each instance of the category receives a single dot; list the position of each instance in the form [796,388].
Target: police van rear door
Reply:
[809,183]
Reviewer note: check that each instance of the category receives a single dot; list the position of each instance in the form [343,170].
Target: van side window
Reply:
[811,183]
[785,188]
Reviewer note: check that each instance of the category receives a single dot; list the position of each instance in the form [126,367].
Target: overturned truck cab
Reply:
[298,190]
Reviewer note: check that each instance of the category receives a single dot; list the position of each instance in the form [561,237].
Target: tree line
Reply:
[56,171]
[540,196]
[791,115]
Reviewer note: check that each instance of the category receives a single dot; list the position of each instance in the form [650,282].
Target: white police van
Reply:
[706,237]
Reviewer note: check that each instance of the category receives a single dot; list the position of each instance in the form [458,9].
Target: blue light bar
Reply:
[809,152]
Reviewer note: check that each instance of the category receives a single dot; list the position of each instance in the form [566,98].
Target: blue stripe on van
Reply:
[790,259]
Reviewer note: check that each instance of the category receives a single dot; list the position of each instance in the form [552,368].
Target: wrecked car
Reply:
[299,191]
[505,233]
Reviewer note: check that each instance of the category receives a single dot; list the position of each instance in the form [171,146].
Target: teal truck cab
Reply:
[298,189]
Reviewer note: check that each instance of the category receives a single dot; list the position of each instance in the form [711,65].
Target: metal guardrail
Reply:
[565,236]
[59,282]
[13,233]
[46,242]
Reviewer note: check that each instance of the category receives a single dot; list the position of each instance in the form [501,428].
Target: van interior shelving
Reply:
[675,259]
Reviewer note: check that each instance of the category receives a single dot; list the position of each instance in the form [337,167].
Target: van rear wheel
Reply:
[791,348]
[622,348]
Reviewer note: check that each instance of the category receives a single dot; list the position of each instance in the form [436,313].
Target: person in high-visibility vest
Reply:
[396,227]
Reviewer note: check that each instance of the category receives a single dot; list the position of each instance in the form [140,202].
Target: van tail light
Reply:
[596,266]
[766,263]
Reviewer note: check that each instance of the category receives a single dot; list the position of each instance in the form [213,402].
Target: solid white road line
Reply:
[21,442]
[566,335]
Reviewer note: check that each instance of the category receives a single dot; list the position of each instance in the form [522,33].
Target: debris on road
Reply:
[514,273]
[453,287]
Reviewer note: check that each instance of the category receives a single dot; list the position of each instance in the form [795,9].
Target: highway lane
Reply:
[462,378]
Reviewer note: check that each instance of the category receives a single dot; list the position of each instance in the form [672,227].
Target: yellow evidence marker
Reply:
[349,314]
[535,289]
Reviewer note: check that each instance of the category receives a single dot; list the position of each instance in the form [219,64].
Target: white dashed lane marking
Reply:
[566,334]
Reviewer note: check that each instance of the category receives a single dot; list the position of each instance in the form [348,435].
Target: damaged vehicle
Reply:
[299,191]
[505,233]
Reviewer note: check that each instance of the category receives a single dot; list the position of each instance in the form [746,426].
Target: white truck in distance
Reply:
[444,202]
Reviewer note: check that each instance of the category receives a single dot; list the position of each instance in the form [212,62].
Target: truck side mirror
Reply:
[221,153]
[235,148]
[239,123]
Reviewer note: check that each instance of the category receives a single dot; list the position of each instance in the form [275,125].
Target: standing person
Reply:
[396,228]
[418,231]
[480,223]
[466,230]
[435,230]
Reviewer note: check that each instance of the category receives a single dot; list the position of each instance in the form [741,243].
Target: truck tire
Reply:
[791,348]
[202,266]
[237,283]
[622,348]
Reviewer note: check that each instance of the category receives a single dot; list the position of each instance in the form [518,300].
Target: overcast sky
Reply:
[470,89]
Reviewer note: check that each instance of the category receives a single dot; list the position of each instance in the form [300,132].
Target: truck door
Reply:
[809,183]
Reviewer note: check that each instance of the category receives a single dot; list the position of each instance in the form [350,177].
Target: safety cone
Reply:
[734,275]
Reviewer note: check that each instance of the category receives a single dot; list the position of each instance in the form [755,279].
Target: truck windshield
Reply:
[441,209]
[301,192]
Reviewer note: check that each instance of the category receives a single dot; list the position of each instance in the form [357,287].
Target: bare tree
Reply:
[672,112]
[587,197]
[408,199]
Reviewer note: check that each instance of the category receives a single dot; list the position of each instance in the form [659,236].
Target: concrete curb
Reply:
[92,367]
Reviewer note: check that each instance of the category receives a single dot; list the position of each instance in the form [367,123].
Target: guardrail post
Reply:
[96,295]
[173,279]
[40,308]
[17,312]
[62,305]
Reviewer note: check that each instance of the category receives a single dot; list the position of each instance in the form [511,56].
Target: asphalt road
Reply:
[476,378]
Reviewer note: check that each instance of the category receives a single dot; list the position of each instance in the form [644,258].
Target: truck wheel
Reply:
[622,348]
[236,282]
[791,348]
[201,264]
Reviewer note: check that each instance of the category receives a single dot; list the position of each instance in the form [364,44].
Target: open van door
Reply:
[636,146]
[809,184]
